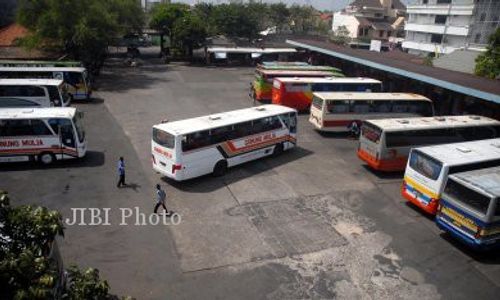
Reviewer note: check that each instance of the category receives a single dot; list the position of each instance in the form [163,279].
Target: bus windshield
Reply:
[77,120]
[476,201]
[371,132]
[163,138]
[425,165]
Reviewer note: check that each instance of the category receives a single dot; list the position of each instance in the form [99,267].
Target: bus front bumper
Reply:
[476,244]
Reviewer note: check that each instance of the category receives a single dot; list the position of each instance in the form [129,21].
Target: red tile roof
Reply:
[9,34]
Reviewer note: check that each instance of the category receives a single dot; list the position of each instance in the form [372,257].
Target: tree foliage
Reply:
[83,29]
[488,63]
[27,270]
[340,36]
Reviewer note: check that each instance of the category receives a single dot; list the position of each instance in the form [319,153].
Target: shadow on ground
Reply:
[92,159]
[209,183]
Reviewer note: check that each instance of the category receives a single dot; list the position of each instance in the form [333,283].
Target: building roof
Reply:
[458,60]
[464,152]
[487,180]
[396,4]
[367,3]
[403,65]
[432,122]
[9,34]
[382,26]
[222,119]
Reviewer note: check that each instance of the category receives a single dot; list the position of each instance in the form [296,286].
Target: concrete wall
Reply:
[349,21]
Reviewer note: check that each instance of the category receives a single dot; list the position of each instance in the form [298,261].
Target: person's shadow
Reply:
[133,186]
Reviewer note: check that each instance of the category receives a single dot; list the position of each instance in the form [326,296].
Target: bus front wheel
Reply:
[46,158]
[220,168]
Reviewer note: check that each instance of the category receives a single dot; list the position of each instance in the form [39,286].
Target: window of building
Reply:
[477,38]
[425,1]
[440,19]
[483,17]
[381,33]
[436,38]
[443,1]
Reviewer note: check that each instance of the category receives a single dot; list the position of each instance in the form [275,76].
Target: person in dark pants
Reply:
[160,199]
[121,173]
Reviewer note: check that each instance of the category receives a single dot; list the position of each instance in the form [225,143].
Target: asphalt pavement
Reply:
[311,223]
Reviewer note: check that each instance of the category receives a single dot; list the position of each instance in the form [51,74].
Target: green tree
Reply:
[279,15]
[488,63]
[189,32]
[205,12]
[28,267]
[302,18]
[163,18]
[234,21]
[83,29]
[340,36]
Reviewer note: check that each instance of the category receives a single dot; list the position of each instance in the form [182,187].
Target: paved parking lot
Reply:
[312,223]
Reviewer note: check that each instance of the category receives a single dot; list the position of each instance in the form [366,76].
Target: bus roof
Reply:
[283,63]
[222,119]
[42,69]
[39,62]
[300,67]
[298,73]
[37,113]
[487,180]
[369,96]
[327,80]
[31,81]
[397,124]
[464,152]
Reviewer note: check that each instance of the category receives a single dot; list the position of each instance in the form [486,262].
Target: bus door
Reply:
[66,133]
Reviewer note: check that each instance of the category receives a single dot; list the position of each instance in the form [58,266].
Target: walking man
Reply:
[160,199]
[121,173]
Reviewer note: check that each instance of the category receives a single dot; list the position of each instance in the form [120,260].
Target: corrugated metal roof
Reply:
[475,86]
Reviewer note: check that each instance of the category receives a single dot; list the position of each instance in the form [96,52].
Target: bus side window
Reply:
[241,130]
[39,128]
[381,106]
[17,128]
[220,134]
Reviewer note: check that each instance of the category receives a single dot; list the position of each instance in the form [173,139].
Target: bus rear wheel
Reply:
[46,158]
[220,168]
[278,149]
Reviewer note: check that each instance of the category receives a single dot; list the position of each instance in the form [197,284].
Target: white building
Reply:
[371,19]
[443,26]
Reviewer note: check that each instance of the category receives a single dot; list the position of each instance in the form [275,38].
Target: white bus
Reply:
[194,147]
[337,111]
[470,208]
[429,167]
[76,79]
[385,144]
[41,134]
[36,90]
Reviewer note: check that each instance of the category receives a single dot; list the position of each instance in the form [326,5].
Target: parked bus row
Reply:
[35,122]
[76,79]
